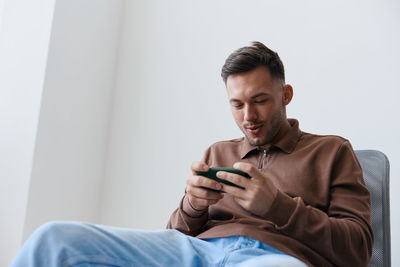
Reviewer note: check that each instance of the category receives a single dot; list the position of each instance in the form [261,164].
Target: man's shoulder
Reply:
[233,146]
[321,137]
[228,143]
[333,141]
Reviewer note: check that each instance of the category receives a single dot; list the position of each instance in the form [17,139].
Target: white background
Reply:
[131,94]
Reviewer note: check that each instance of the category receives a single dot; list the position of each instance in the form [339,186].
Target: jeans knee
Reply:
[52,226]
[56,228]
[53,233]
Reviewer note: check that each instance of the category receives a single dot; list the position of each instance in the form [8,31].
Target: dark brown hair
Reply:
[249,57]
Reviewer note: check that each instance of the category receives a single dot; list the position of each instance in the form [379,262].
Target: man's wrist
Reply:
[196,208]
[190,210]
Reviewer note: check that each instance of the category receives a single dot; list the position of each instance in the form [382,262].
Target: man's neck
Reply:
[282,131]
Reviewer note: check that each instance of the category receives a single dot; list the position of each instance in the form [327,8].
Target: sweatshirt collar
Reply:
[286,143]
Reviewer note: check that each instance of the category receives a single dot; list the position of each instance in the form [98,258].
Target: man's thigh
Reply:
[68,243]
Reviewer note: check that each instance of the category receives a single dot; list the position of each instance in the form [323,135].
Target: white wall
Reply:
[23,55]
[341,57]
[68,162]
[57,76]
[1,13]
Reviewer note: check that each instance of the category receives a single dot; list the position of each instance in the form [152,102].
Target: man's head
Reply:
[255,82]
[249,57]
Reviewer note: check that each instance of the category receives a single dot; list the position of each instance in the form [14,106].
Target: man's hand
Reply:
[199,197]
[259,192]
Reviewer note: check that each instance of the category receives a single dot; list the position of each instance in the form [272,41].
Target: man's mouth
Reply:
[254,129]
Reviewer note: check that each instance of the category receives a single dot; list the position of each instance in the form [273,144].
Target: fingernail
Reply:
[220,175]
[218,186]
[236,165]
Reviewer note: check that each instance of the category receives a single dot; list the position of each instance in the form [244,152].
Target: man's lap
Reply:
[69,243]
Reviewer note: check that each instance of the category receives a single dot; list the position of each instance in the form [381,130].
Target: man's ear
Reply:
[287,94]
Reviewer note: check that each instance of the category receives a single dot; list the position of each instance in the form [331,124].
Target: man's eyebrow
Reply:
[234,100]
[253,97]
[258,95]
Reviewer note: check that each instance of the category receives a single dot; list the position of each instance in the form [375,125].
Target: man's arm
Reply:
[342,233]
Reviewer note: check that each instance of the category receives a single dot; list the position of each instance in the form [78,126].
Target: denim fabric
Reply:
[82,244]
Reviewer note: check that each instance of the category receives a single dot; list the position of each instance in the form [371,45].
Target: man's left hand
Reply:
[259,192]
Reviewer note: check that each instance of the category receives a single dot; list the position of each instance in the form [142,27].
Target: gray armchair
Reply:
[375,166]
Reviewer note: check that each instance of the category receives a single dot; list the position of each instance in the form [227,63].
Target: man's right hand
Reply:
[200,197]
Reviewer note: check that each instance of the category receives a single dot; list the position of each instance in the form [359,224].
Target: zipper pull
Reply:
[263,158]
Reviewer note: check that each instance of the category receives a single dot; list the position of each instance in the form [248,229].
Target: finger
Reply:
[203,193]
[248,168]
[234,191]
[201,181]
[199,166]
[234,178]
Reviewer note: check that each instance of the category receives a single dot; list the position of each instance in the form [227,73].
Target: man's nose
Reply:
[250,114]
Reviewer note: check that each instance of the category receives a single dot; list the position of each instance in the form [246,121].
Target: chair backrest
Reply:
[375,166]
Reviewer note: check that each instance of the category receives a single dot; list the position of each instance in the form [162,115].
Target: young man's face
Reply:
[258,104]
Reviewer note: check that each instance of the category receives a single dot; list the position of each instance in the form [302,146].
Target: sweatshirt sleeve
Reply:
[187,219]
[343,233]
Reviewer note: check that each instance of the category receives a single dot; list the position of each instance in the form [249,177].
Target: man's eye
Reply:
[237,105]
[262,101]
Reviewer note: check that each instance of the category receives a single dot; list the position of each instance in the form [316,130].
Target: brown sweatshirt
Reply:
[321,214]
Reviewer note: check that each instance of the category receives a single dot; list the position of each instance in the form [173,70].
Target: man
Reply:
[305,202]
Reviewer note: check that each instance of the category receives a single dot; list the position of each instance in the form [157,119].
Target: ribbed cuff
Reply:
[281,209]
[189,210]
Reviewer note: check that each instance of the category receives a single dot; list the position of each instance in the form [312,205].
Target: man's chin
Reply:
[255,141]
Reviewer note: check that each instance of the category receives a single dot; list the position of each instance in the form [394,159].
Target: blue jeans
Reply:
[82,244]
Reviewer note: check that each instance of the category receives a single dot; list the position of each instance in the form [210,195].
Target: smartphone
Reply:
[212,174]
